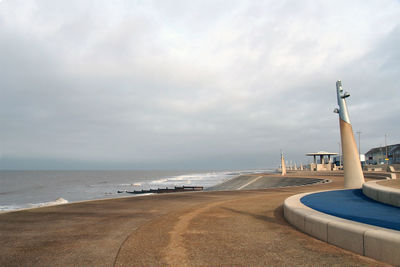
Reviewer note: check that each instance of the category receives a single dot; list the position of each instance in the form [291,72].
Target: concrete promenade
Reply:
[237,227]
[391,183]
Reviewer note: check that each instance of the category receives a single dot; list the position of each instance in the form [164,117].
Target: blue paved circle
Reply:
[354,205]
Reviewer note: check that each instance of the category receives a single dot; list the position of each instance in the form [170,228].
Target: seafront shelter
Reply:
[325,163]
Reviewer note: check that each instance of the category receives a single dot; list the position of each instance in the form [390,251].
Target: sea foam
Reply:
[58,201]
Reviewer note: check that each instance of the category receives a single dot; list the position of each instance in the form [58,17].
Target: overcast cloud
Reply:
[192,84]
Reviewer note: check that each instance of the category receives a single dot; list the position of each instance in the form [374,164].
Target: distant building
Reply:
[377,155]
[338,160]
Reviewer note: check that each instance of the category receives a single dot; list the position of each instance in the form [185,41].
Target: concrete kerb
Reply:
[371,241]
[380,193]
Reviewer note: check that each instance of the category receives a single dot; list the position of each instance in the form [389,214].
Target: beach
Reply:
[29,189]
[236,227]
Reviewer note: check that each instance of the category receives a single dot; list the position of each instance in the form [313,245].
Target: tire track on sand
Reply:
[175,252]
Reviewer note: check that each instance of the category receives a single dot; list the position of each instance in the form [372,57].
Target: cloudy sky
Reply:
[192,84]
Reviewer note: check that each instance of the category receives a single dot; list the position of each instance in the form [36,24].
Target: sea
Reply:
[31,189]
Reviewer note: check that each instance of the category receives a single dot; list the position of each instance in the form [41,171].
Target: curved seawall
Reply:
[365,239]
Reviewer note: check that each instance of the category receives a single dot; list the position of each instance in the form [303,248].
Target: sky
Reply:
[192,84]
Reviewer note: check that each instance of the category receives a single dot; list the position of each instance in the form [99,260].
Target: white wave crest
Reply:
[201,179]
[160,181]
[7,208]
[58,201]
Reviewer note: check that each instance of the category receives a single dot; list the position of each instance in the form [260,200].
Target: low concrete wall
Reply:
[380,193]
[371,241]
[367,174]
[379,175]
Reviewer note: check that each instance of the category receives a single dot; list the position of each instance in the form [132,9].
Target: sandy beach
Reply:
[236,227]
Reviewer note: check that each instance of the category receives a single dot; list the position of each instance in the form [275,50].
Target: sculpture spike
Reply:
[353,175]
[283,165]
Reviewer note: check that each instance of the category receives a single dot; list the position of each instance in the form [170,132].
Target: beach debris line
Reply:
[164,190]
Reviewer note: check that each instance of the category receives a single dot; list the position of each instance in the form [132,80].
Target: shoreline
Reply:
[67,203]
[86,190]
[100,199]
[121,195]
[153,194]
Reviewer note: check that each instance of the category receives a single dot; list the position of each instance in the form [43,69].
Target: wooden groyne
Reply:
[165,190]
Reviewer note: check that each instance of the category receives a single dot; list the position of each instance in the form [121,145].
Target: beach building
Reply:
[325,162]
[378,155]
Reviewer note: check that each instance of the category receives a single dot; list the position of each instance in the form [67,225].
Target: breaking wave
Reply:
[58,201]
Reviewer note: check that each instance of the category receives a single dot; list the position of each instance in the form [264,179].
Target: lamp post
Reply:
[387,156]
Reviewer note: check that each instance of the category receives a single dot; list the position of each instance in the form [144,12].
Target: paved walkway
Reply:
[249,182]
[391,183]
[242,228]
[354,205]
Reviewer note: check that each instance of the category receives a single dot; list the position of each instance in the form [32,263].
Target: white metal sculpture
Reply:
[353,175]
[283,165]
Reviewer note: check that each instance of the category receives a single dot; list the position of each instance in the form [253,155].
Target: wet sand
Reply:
[238,227]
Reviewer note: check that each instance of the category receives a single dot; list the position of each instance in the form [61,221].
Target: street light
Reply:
[387,156]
